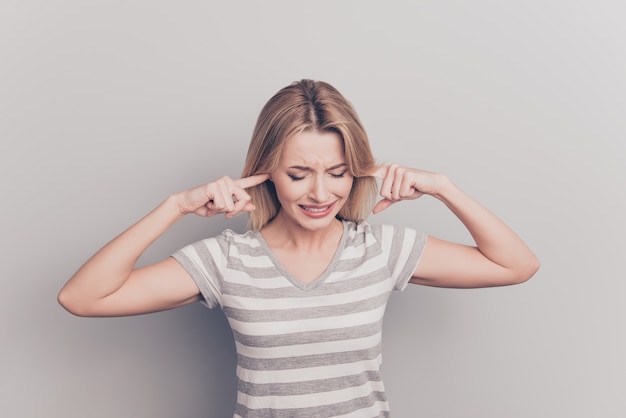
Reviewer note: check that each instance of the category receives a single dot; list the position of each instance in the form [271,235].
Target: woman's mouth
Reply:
[317,211]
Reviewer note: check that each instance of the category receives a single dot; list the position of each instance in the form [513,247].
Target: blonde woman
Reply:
[305,288]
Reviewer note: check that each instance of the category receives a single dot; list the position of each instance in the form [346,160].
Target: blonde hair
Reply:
[309,105]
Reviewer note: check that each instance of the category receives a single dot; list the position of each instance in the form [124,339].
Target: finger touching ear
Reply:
[247,182]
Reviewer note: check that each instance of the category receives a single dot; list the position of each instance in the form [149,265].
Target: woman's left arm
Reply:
[499,258]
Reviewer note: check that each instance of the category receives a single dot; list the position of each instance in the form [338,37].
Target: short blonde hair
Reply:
[309,105]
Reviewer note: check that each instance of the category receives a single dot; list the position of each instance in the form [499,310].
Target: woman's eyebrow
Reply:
[305,168]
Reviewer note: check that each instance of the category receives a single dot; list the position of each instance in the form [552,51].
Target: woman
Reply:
[306,287]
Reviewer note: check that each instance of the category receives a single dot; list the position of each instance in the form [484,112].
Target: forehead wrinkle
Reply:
[312,160]
[313,151]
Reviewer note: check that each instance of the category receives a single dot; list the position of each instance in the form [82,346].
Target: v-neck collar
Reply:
[319,280]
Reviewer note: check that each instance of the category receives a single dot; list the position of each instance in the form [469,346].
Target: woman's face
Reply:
[312,179]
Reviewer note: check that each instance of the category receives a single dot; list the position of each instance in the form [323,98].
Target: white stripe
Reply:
[368,267]
[308,325]
[243,278]
[277,303]
[309,349]
[310,373]
[372,411]
[354,252]
[246,239]
[310,400]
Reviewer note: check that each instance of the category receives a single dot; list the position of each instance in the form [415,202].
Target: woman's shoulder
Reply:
[228,238]
[248,237]
[230,234]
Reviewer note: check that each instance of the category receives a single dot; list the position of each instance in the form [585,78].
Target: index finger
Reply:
[247,182]
[380,171]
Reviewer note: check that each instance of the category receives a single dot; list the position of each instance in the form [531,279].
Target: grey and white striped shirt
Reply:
[306,350]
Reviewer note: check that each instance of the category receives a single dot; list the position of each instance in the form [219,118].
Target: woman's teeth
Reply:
[315,210]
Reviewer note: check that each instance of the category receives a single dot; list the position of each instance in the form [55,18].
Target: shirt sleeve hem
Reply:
[209,299]
[421,240]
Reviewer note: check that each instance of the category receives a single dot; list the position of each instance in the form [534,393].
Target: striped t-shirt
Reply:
[306,350]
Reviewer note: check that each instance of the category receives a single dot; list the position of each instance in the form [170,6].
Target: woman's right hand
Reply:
[224,195]
[109,284]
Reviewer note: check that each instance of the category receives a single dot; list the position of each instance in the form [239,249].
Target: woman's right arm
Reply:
[108,284]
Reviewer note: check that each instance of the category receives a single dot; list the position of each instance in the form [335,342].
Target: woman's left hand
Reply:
[404,183]
[499,258]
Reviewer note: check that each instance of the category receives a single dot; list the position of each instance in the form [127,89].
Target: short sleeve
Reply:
[403,247]
[205,262]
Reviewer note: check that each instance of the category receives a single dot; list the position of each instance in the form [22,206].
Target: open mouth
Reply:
[317,211]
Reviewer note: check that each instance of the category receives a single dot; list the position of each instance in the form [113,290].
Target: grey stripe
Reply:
[269,272]
[246,315]
[246,247]
[281,340]
[376,231]
[209,264]
[308,386]
[354,283]
[319,411]
[312,360]
[396,247]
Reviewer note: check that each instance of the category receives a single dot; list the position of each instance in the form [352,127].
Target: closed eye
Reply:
[295,178]
[339,175]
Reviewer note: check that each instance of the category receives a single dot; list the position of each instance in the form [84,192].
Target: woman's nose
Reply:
[319,190]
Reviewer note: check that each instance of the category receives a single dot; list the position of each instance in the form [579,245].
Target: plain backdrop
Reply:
[107,107]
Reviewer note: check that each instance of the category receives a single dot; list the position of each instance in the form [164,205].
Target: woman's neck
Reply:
[282,233]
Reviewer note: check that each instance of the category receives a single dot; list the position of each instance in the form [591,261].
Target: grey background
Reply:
[106,107]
